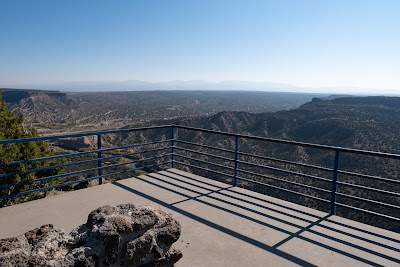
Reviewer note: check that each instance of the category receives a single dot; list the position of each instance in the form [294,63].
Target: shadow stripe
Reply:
[294,216]
[246,201]
[297,234]
[227,210]
[313,223]
[277,228]
[254,197]
[218,227]
[364,231]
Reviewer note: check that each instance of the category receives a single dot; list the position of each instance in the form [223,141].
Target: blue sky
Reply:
[314,43]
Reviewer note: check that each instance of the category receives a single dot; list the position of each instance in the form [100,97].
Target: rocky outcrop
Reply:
[113,236]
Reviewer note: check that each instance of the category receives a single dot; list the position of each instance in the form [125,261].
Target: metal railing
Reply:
[175,147]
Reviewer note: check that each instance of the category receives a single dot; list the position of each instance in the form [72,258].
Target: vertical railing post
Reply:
[172,146]
[99,157]
[334,182]
[235,177]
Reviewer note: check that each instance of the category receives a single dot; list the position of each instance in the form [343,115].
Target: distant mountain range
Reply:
[137,85]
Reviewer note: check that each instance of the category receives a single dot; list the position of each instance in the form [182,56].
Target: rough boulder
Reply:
[113,236]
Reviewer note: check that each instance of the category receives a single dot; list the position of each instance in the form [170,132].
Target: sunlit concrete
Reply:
[221,225]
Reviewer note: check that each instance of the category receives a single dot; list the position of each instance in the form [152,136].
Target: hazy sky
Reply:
[307,43]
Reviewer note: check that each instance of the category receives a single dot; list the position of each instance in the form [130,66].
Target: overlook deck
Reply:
[221,225]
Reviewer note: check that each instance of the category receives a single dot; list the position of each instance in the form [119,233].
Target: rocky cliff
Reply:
[42,106]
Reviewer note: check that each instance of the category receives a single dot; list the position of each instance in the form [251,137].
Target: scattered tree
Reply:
[11,127]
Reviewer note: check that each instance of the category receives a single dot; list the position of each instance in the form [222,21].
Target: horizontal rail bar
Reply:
[204,153]
[368,211]
[48,168]
[326,147]
[370,189]
[134,169]
[369,176]
[286,171]
[78,172]
[75,182]
[259,138]
[273,140]
[370,153]
[201,168]
[135,161]
[52,137]
[206,146]
[283,189]
[130,170]
[80,162]
[84,153]
[206,162]
[286,181]
[135,145]
[53,157]
[286,161]
[369,200]
[42,179]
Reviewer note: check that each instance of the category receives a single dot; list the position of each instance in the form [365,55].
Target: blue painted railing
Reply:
[173,151]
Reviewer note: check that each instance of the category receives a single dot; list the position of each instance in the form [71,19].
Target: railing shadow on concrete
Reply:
[170,178]
[291,215]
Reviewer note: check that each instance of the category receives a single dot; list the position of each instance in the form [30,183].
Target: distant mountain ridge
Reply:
[138,85]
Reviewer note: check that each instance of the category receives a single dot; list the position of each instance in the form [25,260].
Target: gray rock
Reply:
[15,251]
[113,236]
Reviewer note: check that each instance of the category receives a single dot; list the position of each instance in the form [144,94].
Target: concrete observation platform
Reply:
[221,225]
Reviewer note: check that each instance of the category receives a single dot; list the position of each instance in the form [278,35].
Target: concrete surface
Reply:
[221,225]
